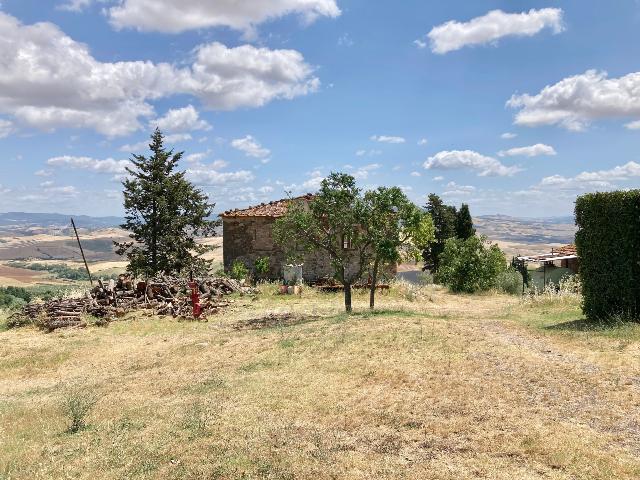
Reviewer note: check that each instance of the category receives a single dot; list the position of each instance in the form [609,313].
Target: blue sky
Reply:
[514,107]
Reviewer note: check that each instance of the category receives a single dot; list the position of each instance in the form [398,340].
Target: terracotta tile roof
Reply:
[274,209]
[566,250]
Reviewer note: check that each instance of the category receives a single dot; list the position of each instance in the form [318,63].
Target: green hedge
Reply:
[608,243]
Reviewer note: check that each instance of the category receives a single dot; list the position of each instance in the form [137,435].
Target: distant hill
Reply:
[13,220]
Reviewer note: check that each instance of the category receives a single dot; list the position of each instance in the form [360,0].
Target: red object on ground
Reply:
[195,299]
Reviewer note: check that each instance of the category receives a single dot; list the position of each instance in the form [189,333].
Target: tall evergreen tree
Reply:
[444,222]
[464,223]
[164,215]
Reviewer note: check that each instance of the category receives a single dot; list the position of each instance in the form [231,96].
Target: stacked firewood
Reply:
[161,296]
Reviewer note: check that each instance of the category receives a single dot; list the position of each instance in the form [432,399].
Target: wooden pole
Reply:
[82,252]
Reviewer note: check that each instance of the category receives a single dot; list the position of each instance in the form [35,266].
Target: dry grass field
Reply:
[431,386]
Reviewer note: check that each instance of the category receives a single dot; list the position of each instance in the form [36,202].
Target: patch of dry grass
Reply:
[431,385]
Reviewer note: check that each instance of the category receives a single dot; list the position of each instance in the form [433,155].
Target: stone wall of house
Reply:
[248,238]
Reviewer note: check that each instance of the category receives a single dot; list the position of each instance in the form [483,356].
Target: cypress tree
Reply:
[164,215]
[464,223]
[444,222]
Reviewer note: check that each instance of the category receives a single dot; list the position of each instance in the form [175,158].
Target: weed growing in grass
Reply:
[77,404]
[567,291]
[198,418]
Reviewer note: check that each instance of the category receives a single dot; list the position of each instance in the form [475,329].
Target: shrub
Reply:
[470,265]
[239,271]
[261,266]
[509,281]
[608,243]
[77,404]
[13,296]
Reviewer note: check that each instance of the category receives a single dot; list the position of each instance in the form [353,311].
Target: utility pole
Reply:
[82,252]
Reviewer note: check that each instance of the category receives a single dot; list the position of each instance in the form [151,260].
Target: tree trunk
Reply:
[347,297]
[374,282]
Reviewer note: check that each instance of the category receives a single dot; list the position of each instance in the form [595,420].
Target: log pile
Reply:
[160,296]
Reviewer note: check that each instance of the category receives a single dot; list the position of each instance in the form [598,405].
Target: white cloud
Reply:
[453,189]
[174,16]
[6,128]
[43,173]
[78,91]
[363,171]
[210,175]
[266,189]
[593,180]
[387,139]
[420,43]
[368,153]
[87,163]
[415,174]
[491,27]
[470,160]
[144,144]
[438,178]
[74,5]
[423,141]
[184,119]
[530,151]
[575,102]
[46,184]
[633,125]
[251,147]
[508,136]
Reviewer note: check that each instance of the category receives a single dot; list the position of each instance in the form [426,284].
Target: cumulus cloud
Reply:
[530,151]
[368,153]
[144,144]
[415,174]
[79,91]
[174,16]
[508,136]
[74,5]
[358,172]
[6,128]
[491,27]
[422,142]
[87,163]
[387,139]
[210,175]
[184,119]
[574,102]
[635,125]
[592,180]
[469,160]
[251,147]
[455,190]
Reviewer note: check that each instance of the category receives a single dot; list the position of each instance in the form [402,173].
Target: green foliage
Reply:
[333,218]
[60,270]
[13,296]
[470,265]
[76,405]
[608,243]
[521,267]
[164,213]
[509,281]
[464,223]
[396,228]
[239,271]
[262,265]
[445,222]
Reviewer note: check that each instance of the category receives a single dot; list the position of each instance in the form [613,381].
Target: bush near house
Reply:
[608,244]
[470,265]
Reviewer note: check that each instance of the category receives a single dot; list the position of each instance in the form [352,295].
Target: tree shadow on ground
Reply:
[585,325]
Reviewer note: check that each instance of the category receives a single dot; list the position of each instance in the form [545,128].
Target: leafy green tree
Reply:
[397,229]
[470,265]
[464,223]
[444,222]
[332,223]
[165,214]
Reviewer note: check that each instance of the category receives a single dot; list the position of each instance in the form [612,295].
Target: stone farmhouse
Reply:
[247,236]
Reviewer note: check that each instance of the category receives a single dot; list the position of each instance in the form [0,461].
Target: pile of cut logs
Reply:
[161,295]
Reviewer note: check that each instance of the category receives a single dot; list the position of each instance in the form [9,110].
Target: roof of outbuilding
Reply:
[566,250]
[273,209]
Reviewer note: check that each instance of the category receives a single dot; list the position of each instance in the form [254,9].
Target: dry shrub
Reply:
[76,405]
[566,291]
